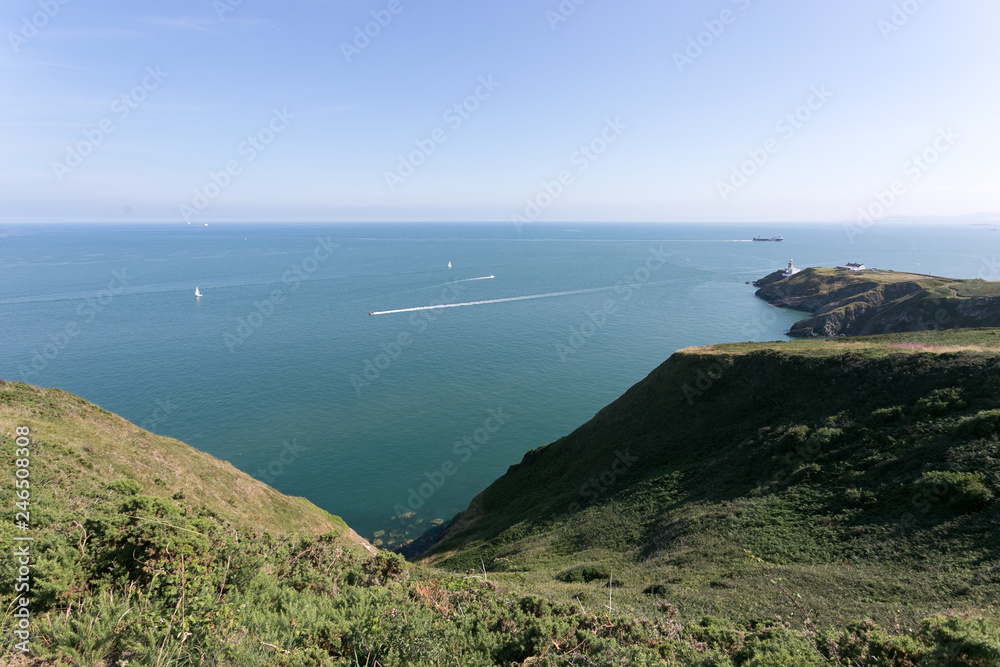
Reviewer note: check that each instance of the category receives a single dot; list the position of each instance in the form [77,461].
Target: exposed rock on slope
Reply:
[878,302]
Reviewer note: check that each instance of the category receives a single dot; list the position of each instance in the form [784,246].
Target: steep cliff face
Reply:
[815,292]
[806,453]
[856,304]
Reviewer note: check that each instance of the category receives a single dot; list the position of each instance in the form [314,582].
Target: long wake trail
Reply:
[469,280]
[528,297]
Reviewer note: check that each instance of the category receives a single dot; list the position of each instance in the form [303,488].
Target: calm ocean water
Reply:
[280,369]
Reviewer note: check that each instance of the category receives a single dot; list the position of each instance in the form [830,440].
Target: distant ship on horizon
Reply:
[779,237]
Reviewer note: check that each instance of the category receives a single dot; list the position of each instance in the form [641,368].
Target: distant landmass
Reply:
[869,301]
[982,217]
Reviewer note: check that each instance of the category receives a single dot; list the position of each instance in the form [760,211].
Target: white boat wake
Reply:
[487,301]
[469,280]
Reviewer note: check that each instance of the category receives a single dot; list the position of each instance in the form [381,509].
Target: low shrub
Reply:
[585,573]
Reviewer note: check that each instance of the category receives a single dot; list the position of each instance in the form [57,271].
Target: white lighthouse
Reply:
[790,270]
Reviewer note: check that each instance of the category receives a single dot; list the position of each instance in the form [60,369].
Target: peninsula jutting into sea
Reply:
[848,301]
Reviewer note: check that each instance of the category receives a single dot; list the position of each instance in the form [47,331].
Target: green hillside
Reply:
[861,473]
[748,505]
[81,450]
[878,302]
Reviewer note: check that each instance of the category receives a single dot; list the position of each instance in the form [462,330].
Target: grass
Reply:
[976,288]
[863,470]
[878,302]
[967,341]
[799,503]
[80,448]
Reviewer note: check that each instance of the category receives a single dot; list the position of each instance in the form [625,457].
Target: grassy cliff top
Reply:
[863,472]
[875,275]
[823,278]
[982,341]
[877,302]
[825,281]
[79,449]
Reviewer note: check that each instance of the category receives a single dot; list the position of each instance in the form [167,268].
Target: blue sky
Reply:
[133,111]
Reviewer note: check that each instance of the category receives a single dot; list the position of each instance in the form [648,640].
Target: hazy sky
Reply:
[634,110]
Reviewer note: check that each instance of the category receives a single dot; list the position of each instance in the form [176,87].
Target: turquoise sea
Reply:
[280,369]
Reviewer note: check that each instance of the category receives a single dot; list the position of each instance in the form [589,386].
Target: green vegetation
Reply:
[862,471]
[82,448]
[877,302]
[806,503]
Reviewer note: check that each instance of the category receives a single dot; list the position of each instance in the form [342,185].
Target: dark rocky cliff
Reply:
[878,302]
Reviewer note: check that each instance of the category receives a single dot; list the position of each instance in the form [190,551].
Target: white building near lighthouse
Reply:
[852,266]
[790,270]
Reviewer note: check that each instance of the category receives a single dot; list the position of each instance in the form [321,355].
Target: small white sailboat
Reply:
[197,292]
[449,265]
